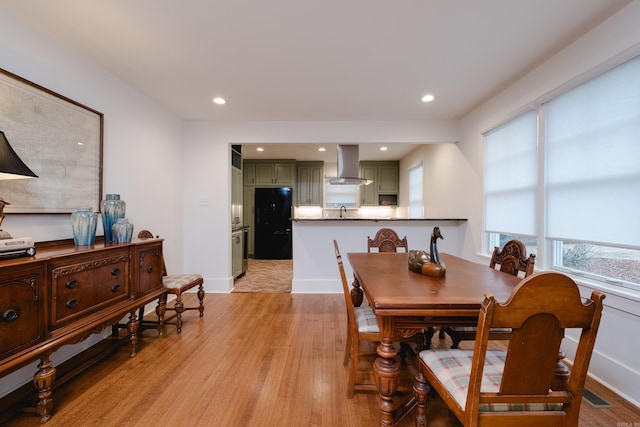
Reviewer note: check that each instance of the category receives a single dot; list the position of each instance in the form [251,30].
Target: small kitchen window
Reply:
[415,191]
[341,195]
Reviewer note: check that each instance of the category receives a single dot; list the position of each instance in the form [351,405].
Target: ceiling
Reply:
[308,151]
[328,60]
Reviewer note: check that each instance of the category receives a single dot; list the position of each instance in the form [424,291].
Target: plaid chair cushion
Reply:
[366,319]
[177,281]
[453,367]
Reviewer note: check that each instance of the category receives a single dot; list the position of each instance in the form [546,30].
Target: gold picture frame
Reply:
[59,139]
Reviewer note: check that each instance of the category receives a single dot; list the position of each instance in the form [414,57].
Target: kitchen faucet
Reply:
[345,211]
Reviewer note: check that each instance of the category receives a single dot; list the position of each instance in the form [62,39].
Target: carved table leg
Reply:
[43,380]
[421,389]
[357,295]
[387,371]
[561,374]
[161,309]
[132,328]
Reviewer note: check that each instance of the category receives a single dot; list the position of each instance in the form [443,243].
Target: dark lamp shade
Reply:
[11,167]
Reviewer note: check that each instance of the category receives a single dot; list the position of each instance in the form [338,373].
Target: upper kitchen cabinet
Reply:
[270,173]
[383,191]
[248,173]
[310,183]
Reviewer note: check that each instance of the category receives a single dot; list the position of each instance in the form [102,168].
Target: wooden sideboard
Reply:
[65,293]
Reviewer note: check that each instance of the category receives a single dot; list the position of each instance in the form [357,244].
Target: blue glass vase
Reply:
[112,208]
[122,231]
[83,224]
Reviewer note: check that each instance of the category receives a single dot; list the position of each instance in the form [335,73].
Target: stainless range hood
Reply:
[348,167]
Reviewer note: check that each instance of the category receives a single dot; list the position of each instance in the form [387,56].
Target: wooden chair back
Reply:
[539,311]
[351,315]
[387,240]
[512,259]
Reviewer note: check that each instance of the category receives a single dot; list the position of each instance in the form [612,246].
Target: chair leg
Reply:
[353,369]
[455,337]
[347,348]
[421,390]
[404,350]
[201,299]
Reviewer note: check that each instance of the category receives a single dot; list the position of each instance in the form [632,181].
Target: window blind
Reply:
[592,149]
[510,176]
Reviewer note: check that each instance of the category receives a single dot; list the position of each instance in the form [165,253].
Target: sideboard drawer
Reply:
[21,309]
[88,285]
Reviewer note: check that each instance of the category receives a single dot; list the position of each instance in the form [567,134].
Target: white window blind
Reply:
[415,192]
[510,176]
[592,146]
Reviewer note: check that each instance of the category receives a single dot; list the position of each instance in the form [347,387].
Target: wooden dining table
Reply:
[407,303]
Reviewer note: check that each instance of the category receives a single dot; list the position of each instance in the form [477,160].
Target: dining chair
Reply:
[515,387]
[512,259]
[177,284]
[386,240]
[362,325]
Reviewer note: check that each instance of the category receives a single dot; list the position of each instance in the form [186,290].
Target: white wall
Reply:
[615,360]
[142,142]
[142,149]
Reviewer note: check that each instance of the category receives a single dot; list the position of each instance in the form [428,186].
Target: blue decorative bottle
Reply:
[122,231]
[83,224]
[112,208]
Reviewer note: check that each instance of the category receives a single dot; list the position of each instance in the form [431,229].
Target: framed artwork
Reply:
[59,139]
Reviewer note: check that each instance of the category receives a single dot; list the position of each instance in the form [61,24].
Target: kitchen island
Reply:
[314,262]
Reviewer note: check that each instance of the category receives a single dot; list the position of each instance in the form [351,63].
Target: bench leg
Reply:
[201,299]
[179,308]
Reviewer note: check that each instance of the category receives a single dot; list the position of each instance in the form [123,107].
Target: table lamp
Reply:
[11,167]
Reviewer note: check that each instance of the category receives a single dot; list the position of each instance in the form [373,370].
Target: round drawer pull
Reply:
[72,284]
[10,315]
[72,303]
[115,288]
[115,271]
[149,270]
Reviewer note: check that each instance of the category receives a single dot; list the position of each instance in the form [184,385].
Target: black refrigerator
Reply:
[272,238]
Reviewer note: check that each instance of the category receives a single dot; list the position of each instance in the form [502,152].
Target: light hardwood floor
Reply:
[252,360]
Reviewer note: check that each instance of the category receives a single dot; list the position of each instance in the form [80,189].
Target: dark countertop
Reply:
[375,219]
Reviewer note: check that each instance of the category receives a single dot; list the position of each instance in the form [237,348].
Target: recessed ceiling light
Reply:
[428,98]
[260,149]
[322,149]
[383,148]
[219,101]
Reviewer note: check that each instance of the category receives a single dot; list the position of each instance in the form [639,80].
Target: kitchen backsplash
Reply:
[368,212]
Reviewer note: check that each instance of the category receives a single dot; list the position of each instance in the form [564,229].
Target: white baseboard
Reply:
[316,286]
